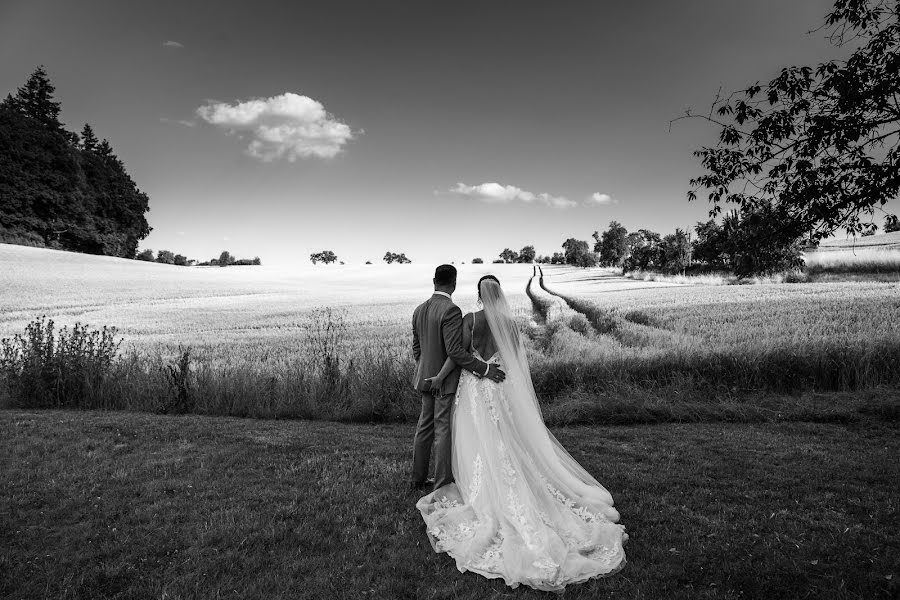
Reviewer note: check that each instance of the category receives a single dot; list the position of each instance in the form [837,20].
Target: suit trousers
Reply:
[434,428]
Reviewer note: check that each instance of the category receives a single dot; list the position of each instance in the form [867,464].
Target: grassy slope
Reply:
[100,505]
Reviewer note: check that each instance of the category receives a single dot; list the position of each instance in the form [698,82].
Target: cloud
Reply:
[171,44]
[495,193]
[598,199]
[287,126]
[184,122]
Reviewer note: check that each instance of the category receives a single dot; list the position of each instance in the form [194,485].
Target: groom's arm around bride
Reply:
[437,335]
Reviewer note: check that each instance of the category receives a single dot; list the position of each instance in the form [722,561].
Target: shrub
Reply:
[68,368]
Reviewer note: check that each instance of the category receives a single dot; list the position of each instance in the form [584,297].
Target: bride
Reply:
[521,507]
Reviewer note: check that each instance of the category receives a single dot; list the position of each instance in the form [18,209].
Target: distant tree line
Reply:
[169,258]
[59,189]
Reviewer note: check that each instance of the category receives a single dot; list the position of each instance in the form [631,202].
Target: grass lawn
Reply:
[125,505]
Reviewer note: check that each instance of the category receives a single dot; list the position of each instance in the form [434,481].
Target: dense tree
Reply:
[578,253]
[89,141]
[509,256]
[166,257]
[225,259]
[709,246]
[558,258]
[180,260]
[526,255]
[675,251]
[325,256]
[477,261]
[146,255]
[815,148]
[891,223]
[611,245]
[645,251]
[745,257]
[35,100]
[392,257]
[57,191]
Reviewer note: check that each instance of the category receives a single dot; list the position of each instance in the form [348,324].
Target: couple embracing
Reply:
[508,500]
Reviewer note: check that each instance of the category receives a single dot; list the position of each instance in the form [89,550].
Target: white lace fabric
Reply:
[522,508]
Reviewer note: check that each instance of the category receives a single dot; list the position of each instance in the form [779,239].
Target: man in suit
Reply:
[437,334]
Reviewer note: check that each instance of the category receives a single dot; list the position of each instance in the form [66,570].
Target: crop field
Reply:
[334,341]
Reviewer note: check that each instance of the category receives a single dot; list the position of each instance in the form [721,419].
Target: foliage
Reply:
[145,255]
[612,245]
[392,257]
[644,251]
[74,195]
[166,257]
[815,148]
[891,223]
[225,259]
[746,255]
[526,255]
[48,368]
[509,256]
[180,260]
[578,253]
[477,261]
[709,246]
[325,256]
[675,251]
[558,258]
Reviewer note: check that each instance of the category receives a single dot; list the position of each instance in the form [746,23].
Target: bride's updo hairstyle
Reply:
[482,279]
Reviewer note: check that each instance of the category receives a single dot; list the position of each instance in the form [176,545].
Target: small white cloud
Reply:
[598,199]
[184,122]
[496,193]
[288,126]
[172,44]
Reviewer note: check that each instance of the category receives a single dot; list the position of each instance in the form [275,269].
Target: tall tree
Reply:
[611,245]
[53,189]
[815,148]
[578,253]
[89,141]
[35,100]
[526,255]
[509,256]
[709,246]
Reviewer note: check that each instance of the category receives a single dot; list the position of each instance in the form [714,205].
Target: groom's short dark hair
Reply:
[444,275]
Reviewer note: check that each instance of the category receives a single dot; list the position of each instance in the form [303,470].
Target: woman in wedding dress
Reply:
[521,507]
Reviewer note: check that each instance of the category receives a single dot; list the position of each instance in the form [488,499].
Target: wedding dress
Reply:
[521,507]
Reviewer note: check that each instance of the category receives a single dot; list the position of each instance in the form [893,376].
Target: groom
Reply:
[437,334]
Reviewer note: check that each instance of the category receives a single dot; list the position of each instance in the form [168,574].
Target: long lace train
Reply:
[521,508]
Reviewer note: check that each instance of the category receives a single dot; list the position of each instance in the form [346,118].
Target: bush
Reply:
[477,261]
[43,368]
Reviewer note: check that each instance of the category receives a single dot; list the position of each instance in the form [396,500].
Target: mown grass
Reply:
[125,505]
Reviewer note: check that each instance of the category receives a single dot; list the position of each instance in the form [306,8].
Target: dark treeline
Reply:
[730,246]
[61,189]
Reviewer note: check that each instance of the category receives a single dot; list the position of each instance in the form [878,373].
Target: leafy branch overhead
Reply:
[815,149]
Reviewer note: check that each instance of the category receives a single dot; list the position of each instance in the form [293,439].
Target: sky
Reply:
[443,130]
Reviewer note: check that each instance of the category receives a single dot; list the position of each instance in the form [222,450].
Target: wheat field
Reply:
[334,341]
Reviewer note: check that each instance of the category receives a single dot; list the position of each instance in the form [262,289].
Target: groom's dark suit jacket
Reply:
[437,334]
